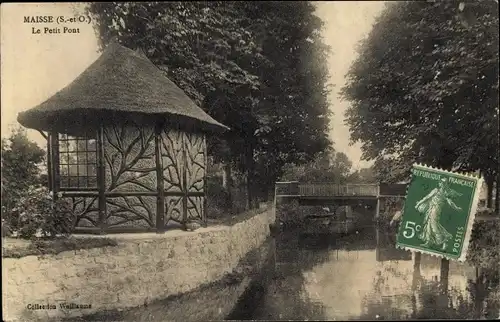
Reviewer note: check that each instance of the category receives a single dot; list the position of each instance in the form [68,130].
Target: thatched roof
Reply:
[120,83]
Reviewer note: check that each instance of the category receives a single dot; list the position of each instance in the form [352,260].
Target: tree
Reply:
[328,167]
[294,94]
[21,161]
[425,87]
[257,67]
[364,175]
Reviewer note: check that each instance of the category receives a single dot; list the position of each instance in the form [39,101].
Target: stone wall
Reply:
[141,269]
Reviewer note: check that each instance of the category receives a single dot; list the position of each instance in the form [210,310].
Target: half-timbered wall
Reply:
[130,167]
[183,158]
[132,191]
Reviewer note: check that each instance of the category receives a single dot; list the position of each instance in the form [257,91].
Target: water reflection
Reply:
[362,276]
[386,251]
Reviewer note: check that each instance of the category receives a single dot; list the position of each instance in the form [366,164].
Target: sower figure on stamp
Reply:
[433,233]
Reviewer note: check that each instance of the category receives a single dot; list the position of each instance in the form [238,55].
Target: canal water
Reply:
[358,277]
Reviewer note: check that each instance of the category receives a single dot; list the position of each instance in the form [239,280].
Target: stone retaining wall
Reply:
[141,269]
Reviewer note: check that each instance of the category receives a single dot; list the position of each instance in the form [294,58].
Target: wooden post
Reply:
[50,171]
[479,290]
[54,173]
[276,221]
[185,188]
[56,180]
[377,211]
[445,270]
[205,184]
[101,179]
[497,193]
[160,186]
[416,269]
[415,281]
[377,238]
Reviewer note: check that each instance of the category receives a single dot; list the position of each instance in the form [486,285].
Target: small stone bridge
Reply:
[297,194]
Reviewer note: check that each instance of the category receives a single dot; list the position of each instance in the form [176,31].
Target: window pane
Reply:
[70,146]
[63,146]
[73,182]
[64,181]
[64,171]
[77,162]
[82,182]
[63,158]
[92,145]
[82,170]
[73,170]
[92,182]
[92,170]
[72,159]
[82,157]
[92,158]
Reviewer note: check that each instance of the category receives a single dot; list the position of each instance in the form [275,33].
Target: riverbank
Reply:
[140,270]
[210,302]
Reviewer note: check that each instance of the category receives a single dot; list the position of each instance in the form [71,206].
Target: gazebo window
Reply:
[77,162]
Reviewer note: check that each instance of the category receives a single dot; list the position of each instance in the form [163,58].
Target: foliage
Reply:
[363,175]
[493,301]
[37,211]
[328,166]
[425,87]
[39,247]
[21,162]
[437,305]
[392,169]
[484,253]
[289,213]
[484,246]
[224,202]
[244,63]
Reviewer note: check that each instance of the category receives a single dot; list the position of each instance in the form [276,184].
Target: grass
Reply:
[18,248]
[237,218]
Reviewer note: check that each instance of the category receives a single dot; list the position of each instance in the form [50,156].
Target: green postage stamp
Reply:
[439,212]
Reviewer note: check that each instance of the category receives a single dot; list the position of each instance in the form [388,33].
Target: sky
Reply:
[36,66]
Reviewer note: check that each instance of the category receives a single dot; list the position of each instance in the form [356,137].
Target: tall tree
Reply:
[294,92]
[425,87]
[257,67]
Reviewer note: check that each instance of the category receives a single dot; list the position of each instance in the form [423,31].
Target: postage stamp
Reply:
[439,212]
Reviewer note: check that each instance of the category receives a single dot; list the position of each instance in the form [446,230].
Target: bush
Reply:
[484,249]
[21,161]
[36,211]
[6,230]
[218,200]
[222,203]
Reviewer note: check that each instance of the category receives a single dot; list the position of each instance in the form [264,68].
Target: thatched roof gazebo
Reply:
[126,145]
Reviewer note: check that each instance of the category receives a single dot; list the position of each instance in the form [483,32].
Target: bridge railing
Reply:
[326,190]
